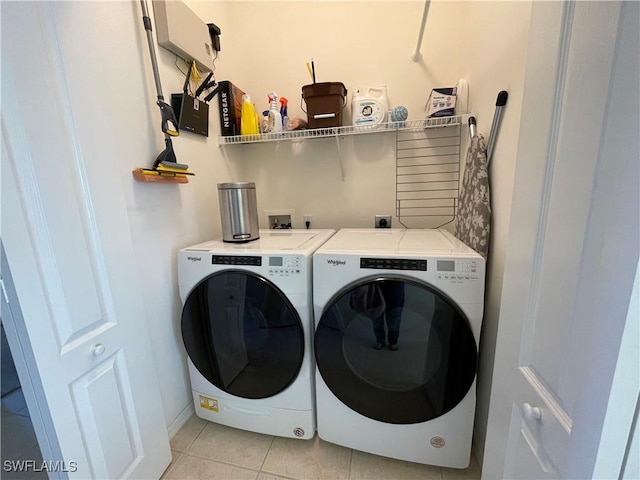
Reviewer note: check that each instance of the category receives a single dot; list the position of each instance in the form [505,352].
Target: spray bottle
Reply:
[283,113]
[275,119]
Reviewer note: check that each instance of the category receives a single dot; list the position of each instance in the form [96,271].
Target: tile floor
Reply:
[204,450]
[18,440]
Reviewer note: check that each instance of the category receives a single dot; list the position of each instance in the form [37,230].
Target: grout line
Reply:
[190,444]
[350,463]
[273,439]
[166,473]
[195,455]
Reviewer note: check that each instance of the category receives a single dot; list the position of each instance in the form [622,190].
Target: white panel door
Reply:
[573,245]
[66,236]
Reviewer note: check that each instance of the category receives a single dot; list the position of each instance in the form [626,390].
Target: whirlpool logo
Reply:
[194,259]
[336,263]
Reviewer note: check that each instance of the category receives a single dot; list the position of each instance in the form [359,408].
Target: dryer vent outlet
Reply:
[383,221]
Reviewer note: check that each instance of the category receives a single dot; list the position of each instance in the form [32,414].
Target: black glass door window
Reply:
[243,334]
[396,350]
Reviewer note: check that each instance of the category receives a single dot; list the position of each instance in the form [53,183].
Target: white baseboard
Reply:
[186,413]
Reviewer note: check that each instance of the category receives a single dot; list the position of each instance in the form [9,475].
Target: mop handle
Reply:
[152,51]
[501,101]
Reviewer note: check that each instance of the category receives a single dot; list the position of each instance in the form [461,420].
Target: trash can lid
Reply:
[236,185]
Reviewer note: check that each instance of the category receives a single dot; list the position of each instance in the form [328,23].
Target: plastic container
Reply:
[369,107]
[325,103]
[238,211]
[249,117]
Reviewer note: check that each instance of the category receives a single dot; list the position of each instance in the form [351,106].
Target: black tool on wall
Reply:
[169,124]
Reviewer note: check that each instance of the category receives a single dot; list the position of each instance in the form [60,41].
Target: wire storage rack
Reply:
[428,174]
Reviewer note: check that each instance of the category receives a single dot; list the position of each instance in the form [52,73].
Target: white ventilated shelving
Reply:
[410,125]
[428,172]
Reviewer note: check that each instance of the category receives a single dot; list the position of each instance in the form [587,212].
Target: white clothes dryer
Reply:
[398,316]
[247,327]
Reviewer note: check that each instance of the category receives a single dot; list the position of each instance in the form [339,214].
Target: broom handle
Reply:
[152,51]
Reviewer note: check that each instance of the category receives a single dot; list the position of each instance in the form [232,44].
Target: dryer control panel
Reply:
[457,271]
[284,265]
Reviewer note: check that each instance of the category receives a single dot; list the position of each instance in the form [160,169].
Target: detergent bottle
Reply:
[369,107]
[248,117]
[275,119]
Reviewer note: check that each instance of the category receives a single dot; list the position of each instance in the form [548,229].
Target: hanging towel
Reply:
[472,224]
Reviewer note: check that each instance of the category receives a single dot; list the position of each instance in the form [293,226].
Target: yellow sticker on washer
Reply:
[209,403]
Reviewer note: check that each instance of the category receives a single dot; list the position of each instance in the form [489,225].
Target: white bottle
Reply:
[369,107]
[275,119]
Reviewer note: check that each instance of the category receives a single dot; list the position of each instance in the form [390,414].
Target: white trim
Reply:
[182,418]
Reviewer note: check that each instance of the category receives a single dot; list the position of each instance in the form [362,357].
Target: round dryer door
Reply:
[395,350]
[242,334]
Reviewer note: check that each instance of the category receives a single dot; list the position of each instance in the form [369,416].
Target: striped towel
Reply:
[473,221]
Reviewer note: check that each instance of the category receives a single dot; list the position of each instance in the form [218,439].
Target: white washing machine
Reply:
[398,316]
[247,326]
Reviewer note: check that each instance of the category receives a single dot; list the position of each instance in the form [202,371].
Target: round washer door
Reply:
[242,334]
[429,373]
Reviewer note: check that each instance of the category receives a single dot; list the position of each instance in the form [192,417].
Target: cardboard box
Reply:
[442,102]
[230,103]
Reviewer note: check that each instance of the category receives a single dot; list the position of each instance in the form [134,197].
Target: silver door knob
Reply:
[97,350]
[531,413]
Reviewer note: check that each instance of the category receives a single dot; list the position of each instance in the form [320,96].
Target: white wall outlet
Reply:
[383,221]
[279,218]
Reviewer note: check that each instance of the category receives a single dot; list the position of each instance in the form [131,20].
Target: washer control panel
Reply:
[457,271]
[284,265]
[250,260]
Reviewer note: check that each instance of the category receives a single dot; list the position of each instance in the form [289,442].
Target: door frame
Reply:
[610,242]
[24,360]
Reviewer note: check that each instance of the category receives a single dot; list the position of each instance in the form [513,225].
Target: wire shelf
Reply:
[428,173]
[406,126]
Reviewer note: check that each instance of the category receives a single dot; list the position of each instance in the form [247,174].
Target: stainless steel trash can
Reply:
[238,211]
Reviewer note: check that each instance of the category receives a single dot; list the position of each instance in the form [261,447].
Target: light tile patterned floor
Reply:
[204,450]
[18,437]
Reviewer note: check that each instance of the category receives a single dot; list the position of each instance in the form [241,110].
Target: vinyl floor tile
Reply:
[473,472]
[18,436]
[187,434]
[197,468]
[231,445]
[13,402]
[307,459]
[365,466]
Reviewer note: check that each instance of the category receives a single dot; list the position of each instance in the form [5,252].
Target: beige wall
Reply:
[265,46]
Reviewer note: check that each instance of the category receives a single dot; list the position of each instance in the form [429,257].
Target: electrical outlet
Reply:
[307,220]
[279,218]
[383,221]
